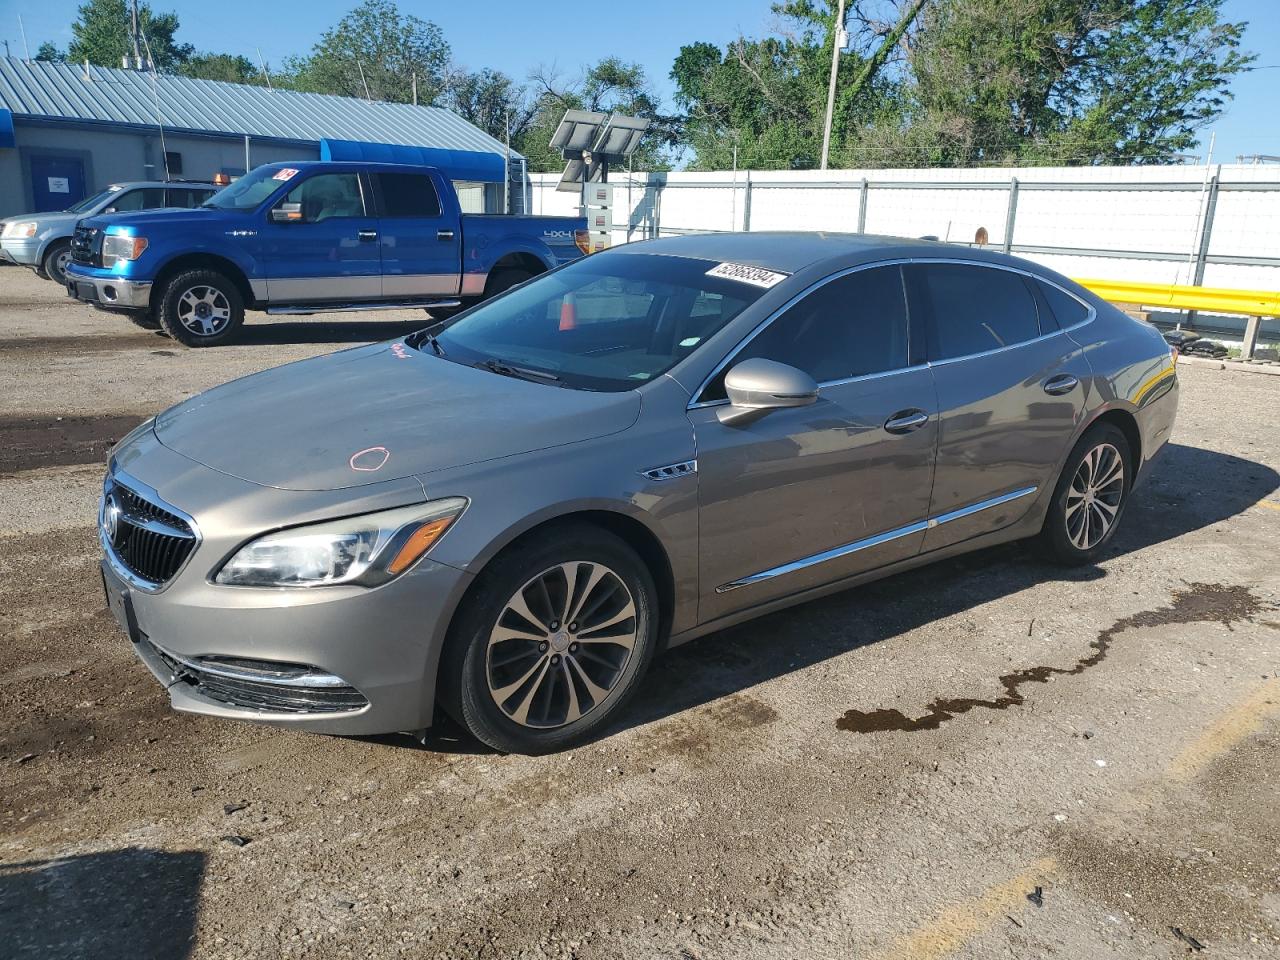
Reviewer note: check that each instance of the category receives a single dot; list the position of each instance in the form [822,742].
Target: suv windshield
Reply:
[250,190]
[88,202]
[607,322]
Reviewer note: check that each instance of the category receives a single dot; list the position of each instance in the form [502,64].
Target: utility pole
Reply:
[831,87]
[133,34]
[25,48]
[266,73]
[415,89]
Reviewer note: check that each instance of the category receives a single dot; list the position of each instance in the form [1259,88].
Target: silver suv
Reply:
[42,241]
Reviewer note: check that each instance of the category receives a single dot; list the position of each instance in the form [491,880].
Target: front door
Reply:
[328,250]
[809,495]
[420,240]
[56,182]
[1011,390]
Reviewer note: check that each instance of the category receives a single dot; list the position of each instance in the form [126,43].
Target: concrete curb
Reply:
[1238,365]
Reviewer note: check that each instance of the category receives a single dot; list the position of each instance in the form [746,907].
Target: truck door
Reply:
[321,243]
[419,235]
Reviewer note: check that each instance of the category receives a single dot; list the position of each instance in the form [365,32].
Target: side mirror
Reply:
[286,213]
[109,210]
[757,386]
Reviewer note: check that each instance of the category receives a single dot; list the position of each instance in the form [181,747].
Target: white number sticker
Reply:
[288,173]
[756,276]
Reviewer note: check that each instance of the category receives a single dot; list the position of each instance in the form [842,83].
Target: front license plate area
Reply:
[121,606]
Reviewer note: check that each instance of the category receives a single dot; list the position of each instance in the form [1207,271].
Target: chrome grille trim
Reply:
[147,541]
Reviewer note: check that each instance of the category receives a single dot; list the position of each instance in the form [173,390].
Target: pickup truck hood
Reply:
[169,216]
[380,412]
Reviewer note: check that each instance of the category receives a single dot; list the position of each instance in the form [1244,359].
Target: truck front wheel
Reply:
[200,308]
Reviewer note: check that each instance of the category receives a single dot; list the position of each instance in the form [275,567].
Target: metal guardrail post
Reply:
[746,205]
[862,206]
[1011,215]
[1250,341]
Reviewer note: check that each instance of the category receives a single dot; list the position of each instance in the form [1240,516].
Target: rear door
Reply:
[1011,390]
[809,495]
[419,235]
[328,250]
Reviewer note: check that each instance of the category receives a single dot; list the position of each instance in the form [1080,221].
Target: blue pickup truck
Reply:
[308,237]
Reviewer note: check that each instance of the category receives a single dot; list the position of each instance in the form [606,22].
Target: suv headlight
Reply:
[20,229]
[365,550]
[117,247]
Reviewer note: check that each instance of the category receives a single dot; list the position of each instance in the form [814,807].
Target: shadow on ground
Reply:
[125,904]
[1188,489]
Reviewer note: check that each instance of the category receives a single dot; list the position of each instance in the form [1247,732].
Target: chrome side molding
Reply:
[849,548]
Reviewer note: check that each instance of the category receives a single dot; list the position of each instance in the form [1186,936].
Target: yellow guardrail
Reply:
[1250,303]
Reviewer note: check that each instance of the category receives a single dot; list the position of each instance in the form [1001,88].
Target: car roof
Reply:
[793,252]
[177,184]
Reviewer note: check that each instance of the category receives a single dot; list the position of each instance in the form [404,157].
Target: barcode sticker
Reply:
[756,276]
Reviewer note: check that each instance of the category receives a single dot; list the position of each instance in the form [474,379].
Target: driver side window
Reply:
[327,196]
[850,327]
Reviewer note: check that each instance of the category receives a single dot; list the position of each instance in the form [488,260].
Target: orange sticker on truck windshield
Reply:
[287,173]
[744,273]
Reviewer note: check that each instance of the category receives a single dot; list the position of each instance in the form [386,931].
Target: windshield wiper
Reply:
[520,373]
[434,343]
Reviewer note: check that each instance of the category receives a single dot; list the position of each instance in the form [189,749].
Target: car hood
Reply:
[380,412]
[46,221]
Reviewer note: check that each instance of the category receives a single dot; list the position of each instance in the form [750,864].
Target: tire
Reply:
[516,688]
[200,308]
[1089,499]
[503,280]
[55,261]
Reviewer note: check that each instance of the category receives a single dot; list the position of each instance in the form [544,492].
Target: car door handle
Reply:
[906,421]
[367,235]
[1062,383]
[444,234]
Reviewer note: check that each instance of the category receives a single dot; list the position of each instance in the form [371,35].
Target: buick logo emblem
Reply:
[110,518]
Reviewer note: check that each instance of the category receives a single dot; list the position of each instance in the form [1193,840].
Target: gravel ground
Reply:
[989,757]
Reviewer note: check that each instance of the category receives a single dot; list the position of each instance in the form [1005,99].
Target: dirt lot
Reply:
[985,758]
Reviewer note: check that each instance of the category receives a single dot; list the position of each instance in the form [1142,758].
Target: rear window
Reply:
[973,309]
[407,195]
[608,322]
[1066,309]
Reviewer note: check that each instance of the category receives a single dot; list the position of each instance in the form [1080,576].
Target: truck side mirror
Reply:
[286,212]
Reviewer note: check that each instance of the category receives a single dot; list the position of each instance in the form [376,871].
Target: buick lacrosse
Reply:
[506,516]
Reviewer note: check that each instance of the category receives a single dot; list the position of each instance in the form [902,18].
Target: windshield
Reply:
[88,202]
[251,189]
[608,322]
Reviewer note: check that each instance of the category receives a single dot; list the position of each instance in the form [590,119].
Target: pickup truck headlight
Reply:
[365,550]
[20,229]
[117,247]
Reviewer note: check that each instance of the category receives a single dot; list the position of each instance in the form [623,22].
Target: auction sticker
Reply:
[286,173]
[756,276]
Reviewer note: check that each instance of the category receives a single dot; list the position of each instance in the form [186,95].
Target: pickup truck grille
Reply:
[149,541]
[86,246]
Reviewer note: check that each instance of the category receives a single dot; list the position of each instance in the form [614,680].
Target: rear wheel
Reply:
[1090,497]
[55,262]
[503,280]
[552,642]
[200,308]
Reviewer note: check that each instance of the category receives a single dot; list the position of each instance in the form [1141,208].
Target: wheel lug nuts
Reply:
[555,659]
[573,648]
[555,624]
[573,627]
[542,647]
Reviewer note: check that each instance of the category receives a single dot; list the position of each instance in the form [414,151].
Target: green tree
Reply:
[1069,81]
[493,102]
[100,34]
[376,47]
[228,67]
[48,51]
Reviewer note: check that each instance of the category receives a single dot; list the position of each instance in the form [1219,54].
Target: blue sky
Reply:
[516,36]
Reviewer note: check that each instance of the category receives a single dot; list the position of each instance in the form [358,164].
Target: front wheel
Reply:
[552,642]
[1090,497]
[200,308]
[55,263]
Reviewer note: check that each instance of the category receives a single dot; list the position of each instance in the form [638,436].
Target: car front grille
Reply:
[261,685]
[151,541]
[86,246]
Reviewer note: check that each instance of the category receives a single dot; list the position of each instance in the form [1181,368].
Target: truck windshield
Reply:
[250,190]
[607,322]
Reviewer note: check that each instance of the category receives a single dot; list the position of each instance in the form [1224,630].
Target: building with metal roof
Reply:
[67,130]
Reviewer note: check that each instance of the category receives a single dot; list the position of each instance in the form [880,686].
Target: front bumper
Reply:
[111,292]
[25,251]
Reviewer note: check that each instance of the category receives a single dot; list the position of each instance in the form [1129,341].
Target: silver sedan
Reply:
[508,515]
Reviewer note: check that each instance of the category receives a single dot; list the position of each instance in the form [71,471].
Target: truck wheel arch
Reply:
[210,261]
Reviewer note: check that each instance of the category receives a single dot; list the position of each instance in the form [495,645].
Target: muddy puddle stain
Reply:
[30,442]
[1199,603]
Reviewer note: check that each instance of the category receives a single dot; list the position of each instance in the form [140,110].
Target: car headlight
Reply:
[365,550]
[20,229]
[117,247]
